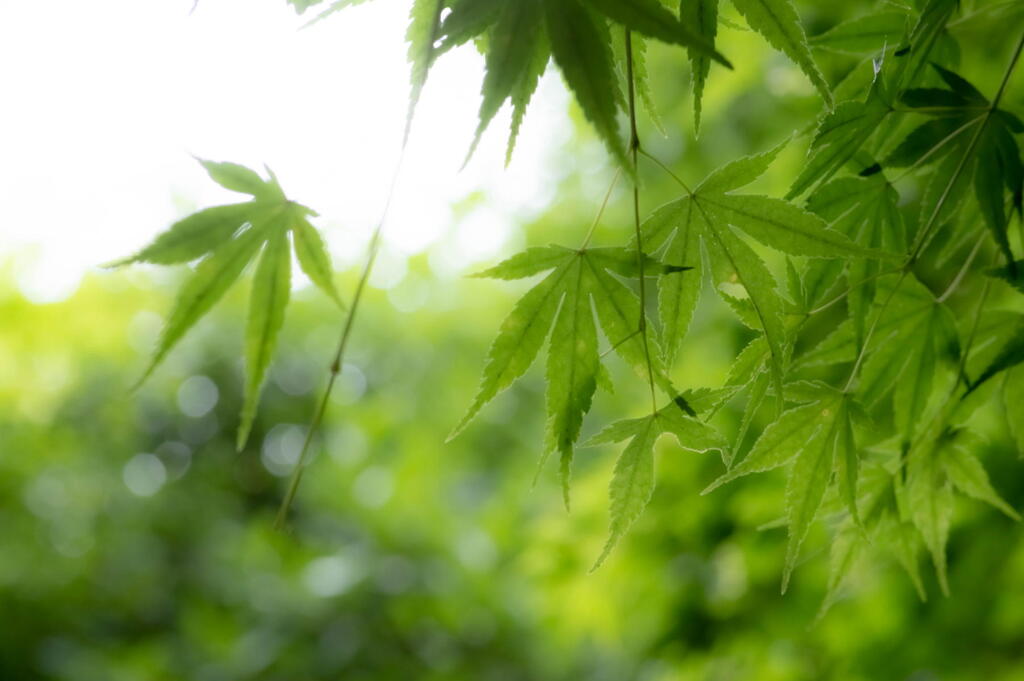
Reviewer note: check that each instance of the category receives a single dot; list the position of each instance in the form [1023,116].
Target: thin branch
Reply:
[668,170]
[851,287]
[963,271]
[600,210]
[616,345]
[372,249]
[941,143]
[634,148]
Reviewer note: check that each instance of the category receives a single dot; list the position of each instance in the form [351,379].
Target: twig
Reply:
[634,148]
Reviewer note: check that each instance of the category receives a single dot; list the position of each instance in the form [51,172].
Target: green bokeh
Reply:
[138,545]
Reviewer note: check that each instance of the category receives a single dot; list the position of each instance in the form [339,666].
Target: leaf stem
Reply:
[616,346]
[848,290]
[372,249]
[953,285]
[668,170]
[600,210]
[941,143]
[634,148]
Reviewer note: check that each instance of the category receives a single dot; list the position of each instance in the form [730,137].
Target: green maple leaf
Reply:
[228,238]
[707,217]
[517,54]
[563,303]
[866,209]
[817,437]
[941,464]
[701,16]
[913,333]
[994,161]
[632,482]
[841,133]
[519,36]
[779,23]
[882,528]
[912,56]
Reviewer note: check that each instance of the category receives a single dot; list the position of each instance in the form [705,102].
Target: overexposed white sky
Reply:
[102,105]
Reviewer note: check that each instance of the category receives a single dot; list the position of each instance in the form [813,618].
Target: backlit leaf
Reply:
[269,299]
[584,56]
[701,17]
[779,23]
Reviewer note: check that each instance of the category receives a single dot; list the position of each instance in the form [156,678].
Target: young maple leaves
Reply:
[582,281]
[887,448]
[562,304]
[228,238]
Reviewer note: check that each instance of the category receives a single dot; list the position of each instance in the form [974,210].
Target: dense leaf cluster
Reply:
[908,166]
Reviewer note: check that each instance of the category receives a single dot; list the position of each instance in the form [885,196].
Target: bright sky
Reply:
[105,102]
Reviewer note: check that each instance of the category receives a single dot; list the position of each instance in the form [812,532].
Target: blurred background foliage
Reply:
[138,545]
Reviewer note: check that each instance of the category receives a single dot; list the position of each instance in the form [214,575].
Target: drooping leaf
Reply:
[733,261]
[739,173]
[755,398]
[847,547]
[238,178]
[709,216]
[779,23]
[782,440]
[467,20]
[270,291]
[913,57]
[313,258]
[701,17]
[937,466]
[947,189]
[650,18]
[424,23]
[583,54]
[968,475]
[810,476]
[518,342]
[641,78]
[517,35]
[522,93]
[785,227]
[677,292]
[847,460]
[571,369]
[632,481]
[212,278]
[196,235]
[900,539]
[930,499]
[580,286]
[228,238]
